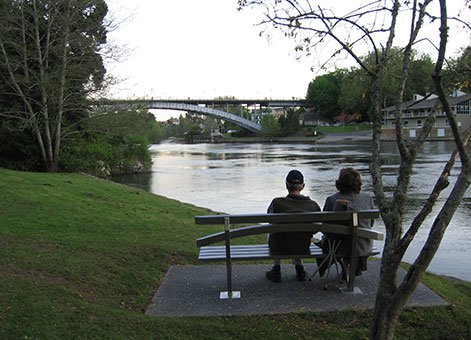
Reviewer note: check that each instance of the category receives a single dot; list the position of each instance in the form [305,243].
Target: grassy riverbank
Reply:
[81,258]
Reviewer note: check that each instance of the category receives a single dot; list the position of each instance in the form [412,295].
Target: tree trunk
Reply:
[384,320]
[51,166]
[386,311]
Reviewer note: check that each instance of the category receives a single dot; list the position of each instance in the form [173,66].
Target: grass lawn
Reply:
[82,257]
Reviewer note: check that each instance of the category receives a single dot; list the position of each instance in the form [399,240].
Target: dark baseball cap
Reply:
[295,177]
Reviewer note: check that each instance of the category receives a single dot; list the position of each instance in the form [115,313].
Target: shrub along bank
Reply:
[102,145]
[81,257]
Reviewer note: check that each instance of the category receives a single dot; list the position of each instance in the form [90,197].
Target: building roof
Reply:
[428,103]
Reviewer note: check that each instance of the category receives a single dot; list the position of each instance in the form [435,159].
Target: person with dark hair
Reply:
[347,198]
[291,242]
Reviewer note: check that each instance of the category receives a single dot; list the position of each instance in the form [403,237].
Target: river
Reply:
[243,178]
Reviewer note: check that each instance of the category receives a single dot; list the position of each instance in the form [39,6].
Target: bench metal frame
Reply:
[325,222]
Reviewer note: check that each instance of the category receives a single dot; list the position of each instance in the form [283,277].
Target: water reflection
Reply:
[243,178]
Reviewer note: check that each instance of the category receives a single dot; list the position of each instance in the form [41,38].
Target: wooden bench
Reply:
[333,222]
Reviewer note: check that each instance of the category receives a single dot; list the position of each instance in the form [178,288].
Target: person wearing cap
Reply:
[291,242]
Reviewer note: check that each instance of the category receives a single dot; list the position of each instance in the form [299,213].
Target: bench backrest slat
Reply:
[301,227]
[325,216]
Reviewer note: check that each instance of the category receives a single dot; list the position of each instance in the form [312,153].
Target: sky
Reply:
[203,49]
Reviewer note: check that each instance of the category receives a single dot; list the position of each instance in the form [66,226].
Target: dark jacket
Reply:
[294,242]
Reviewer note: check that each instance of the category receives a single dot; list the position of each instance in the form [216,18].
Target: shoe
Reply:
[300,273]
[273,275]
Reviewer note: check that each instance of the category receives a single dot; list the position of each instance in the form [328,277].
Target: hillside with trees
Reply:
[51,65]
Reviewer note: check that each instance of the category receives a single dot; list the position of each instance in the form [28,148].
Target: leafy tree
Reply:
[270,126]
[289,124]
[355,87]
[105,155]
[420,77]
[210,124]
[373,25]
[49,62]
[190,123]
[323,94]
[349,91]
[18,149]
[126,123]
[111,144]
[458,75]
[355,91]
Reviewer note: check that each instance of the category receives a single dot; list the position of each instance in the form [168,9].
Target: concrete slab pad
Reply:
[195,290]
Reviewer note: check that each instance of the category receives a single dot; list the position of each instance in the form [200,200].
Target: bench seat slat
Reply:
[258,252]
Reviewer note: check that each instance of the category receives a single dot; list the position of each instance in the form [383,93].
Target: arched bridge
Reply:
[205,107]
[215,113]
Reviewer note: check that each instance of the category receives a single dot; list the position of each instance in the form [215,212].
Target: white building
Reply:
[416,111]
